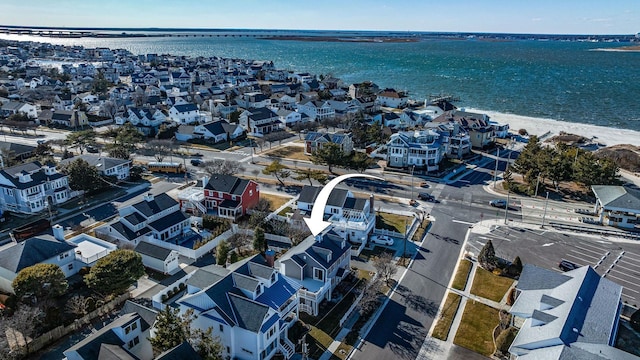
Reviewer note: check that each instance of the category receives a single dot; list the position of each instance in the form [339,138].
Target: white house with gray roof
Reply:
[617,205]
[249,306]
[158,258]
[572,315]
[107,166]
[29,188]
[423,149]
[352,218]
[155,218]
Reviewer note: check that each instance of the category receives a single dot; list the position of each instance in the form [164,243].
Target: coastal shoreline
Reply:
[541,126]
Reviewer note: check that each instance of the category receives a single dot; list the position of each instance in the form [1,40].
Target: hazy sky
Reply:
[512,16]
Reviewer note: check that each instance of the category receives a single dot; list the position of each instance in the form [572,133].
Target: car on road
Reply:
[196,162]
[41,141]
[424,184]
[382,240]
[92,149]
[426,196]
[499,203]
[566,265]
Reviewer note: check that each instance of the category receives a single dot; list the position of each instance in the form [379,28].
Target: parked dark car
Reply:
[196,162]
[426,196]
[566,265]
[498,203]
[92,149]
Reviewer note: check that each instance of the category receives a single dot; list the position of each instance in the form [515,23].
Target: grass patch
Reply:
[421,230]
[441,330]
[476,328]
[460,280]
[392,222]
[330,323]
[276,201]
[286,210]
[289,152]
[367,255]
[490,286]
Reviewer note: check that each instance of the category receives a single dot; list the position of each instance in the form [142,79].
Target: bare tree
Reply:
[222,167]
[77,305]
[16,330]
[385,266]
[161,148]
[110,108]
[371,297]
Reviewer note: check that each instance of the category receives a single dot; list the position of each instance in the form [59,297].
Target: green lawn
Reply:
[490,286]
[392,222]
[441,330]
[462,275]
[476,328]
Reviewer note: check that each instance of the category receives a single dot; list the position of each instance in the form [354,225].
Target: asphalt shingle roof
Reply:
[32,251]
[228,184]
[152,250]
[168,221]
[618,197]
[159,203]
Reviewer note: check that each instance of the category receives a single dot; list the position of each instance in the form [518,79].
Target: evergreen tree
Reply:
[487,257]
[83,176]
[279,171]
[310,174]
[329,154]
[114,273]
[170,330]
[44,281]
[259,242]
[222,251]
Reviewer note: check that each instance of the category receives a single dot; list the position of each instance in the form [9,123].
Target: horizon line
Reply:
[166,29]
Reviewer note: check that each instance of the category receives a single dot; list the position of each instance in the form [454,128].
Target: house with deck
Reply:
[317,264]
[107,166]
[32,187]
[260,121]
[423,149]
[249,306]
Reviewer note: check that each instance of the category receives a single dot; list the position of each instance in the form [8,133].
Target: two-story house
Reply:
[32,187]
[352,218]
[154,217]
[146,120]
[126,337]
[481,132]
[317,265]
[70,255]
[70,118]
[259,121]
[314,141]
[392,98]
[107,166]
[227,196]
[317,110]
[421,148]
[249,306]
[185,113]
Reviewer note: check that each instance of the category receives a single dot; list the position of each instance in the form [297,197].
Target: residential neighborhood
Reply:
[157,206]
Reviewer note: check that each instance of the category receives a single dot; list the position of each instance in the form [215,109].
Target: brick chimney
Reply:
[270,256]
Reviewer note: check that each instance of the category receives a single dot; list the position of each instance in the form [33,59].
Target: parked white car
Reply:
[382,240]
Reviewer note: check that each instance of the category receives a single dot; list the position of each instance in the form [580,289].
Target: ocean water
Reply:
[568,81]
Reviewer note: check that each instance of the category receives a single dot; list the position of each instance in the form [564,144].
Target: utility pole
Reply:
[495,173]
[506,207]
[412,169]
[537,184]
[544,214]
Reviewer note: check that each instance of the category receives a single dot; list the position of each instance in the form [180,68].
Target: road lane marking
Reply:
[591,246]
[626,268]
[462,222]
[593,251]
[619,279]
[629,296]
[547,244]
[623,260]
[580,261]
[583,254]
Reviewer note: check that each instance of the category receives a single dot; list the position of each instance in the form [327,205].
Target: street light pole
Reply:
[412,169]
[506,207]
[495,173]
[544,214]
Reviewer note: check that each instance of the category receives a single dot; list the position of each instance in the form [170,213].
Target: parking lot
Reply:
[618,261]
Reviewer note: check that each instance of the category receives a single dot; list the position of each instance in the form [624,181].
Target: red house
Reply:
[230,195]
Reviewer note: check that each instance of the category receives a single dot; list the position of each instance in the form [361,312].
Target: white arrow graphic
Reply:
[316,223]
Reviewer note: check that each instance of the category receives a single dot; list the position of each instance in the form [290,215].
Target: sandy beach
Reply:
[539,126]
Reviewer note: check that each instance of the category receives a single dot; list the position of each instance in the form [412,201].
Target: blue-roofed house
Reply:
[571,315]
[315,140]
[249,306]
[318,266]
